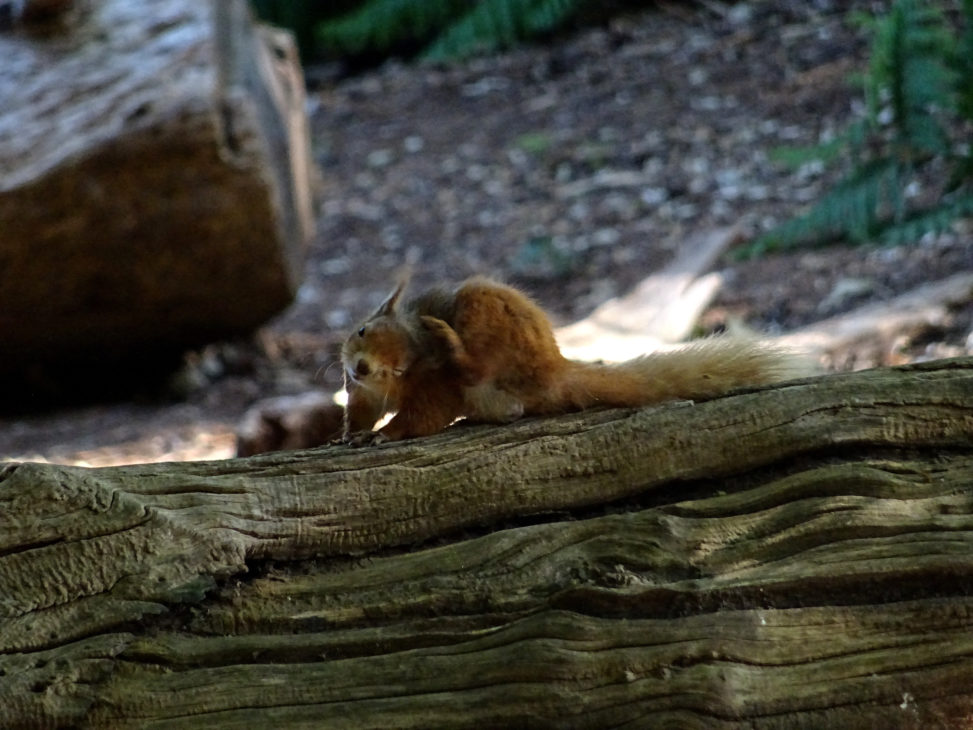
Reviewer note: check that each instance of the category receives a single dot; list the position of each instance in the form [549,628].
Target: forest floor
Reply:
[573,170]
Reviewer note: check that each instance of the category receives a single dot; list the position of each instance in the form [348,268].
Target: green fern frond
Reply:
[908,75]
[795,157]
[496,24]
[490,25]
[853,139]
[379,26]
[851,209]
[449,29]
[919,82]
[548,15]
[961,173]
[934,220]
[963,64]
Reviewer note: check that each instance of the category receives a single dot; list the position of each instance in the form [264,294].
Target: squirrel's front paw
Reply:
[364,438]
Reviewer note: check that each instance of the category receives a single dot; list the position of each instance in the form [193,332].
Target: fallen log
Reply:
[156,189]
[796,556]
[661,310]
[877,326]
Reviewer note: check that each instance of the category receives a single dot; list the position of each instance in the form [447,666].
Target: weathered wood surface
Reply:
[661,310]
[800,556]
[878,325]
[155,189]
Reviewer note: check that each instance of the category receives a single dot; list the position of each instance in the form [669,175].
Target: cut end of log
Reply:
[157,193]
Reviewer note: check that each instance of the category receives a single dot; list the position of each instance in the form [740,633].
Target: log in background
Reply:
[794,557]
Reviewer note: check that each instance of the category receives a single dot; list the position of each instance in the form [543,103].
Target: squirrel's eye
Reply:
[361,332]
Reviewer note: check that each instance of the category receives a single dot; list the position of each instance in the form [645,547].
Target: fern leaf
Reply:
[489,25]
[381,25]
[935,220]
[495,24]
[964,64]
[920,73]
[908,70]
[825,152]
[548,15]
[852,209]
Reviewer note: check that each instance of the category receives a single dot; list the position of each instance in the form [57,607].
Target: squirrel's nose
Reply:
[361,369]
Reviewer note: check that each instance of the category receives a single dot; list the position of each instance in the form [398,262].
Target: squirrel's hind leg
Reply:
[485,403]
[471,372]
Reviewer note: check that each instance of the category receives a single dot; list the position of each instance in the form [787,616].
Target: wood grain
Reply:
[798,556]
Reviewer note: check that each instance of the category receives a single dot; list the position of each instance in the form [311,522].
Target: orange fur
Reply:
[487,352]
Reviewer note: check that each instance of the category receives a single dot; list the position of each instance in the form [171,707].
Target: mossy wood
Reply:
[795,557]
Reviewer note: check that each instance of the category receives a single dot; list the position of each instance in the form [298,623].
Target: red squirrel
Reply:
[485,351]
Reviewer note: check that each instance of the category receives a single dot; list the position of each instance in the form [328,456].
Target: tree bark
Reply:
[794,557]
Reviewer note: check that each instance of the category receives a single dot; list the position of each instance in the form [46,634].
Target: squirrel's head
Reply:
[380,351]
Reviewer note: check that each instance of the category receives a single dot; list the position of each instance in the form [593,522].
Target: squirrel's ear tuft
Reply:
[388,306]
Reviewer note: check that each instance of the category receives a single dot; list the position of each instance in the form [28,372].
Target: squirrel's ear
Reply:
[388,306]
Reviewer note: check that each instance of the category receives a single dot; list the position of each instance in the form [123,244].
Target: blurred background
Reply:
[573,149]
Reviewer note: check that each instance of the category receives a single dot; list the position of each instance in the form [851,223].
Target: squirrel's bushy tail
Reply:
[699,371]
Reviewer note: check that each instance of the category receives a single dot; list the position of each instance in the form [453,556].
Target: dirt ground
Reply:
[572,170]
